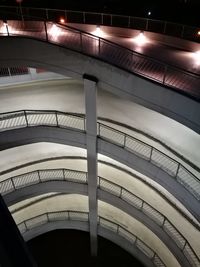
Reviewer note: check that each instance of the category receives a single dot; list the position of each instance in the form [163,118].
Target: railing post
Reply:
[38,172]
[151,152]
[26,119]
[165,73]
[64,174]
[177,170]
[56,113]
[99,48]
[7,29]
[124,140]
[9,72]
[121,189]
[47,14]
[45,27]
[13,183]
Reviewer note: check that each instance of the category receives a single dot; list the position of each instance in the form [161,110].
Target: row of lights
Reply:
[139,40]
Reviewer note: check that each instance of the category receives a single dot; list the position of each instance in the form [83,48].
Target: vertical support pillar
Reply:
[91,136]
[13,249]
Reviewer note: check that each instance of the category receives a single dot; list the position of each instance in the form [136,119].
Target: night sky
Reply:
[183,11]
[63,248]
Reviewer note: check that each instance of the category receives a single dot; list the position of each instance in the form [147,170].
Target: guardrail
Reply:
[51,217]
[154,215]
[133,239]
[153,155]
[39,176]
[32,118]
[107,51]
[114,20]
[14,71]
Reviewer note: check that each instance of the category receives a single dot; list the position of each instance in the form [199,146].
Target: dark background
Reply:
[182,11]
[63,248]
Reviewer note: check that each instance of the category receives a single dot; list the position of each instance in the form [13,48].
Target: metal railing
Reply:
[32,118]
[52,217]
[132,238]
[114,20]
[154,156]
[154,215]
[107,51]
[14,71]
[74,215]
[40,176]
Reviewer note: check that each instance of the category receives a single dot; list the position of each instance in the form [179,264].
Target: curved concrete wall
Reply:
[127,181]
[77,202]
[68,96]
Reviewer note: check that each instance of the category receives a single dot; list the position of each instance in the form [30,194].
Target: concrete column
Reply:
[91,136]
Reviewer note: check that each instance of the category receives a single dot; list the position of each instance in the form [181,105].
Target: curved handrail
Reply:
[39,176]
[160,219]
[172,77]
[33,118]
[74,215]
[114,20]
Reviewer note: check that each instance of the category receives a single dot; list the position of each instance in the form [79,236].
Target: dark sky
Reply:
[183,11]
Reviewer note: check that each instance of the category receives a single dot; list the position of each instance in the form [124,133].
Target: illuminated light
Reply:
[149,13]
[196,57]
[55,31]
[98,32]
[141,39]
[198,33]
[62,20]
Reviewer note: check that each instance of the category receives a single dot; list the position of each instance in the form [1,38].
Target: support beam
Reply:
[13,249]
[91,140]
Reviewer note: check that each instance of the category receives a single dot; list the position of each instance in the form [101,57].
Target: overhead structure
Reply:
[95,137]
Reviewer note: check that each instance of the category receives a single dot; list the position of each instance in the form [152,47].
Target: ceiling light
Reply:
[149,13]
[197,57]
[140,39]
[62,20]
[98,32]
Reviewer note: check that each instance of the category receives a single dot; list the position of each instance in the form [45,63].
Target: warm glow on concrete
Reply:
[140,39]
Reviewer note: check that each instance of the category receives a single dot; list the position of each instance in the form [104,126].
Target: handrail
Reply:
[74,215]
[40,176]
[47,175]
[155,215]
[100,18]
[132,238]
[32,118]
[172,77]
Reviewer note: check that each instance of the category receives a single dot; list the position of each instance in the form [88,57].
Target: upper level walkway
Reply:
[164,69]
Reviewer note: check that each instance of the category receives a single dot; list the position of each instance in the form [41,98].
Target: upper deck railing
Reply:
[114,20]
[178,79]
